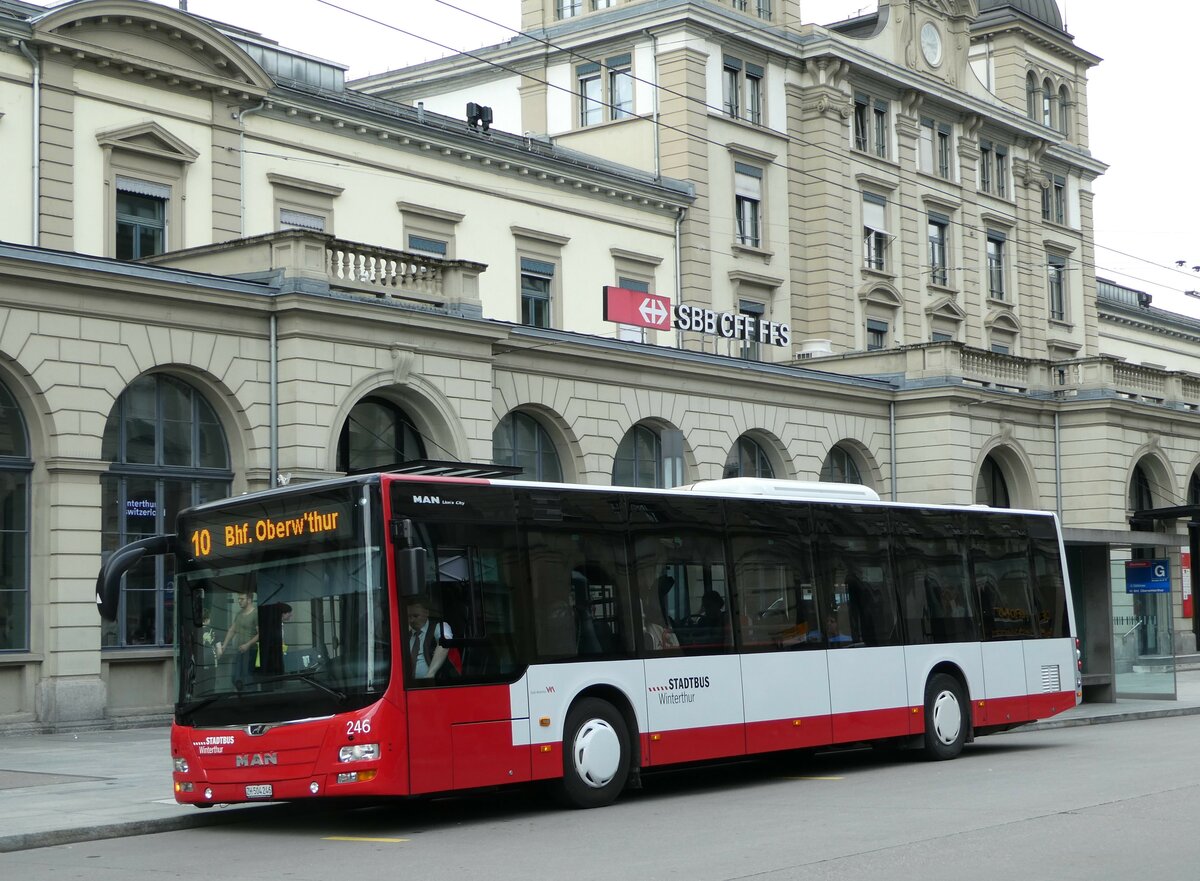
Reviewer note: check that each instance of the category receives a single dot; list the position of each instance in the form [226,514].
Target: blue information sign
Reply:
[1147,576]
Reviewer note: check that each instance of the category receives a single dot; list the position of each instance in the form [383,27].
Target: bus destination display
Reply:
[267,530]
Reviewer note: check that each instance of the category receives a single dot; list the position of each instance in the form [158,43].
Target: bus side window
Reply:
[935,602]
[1000,566]
[776,597]
[861,605]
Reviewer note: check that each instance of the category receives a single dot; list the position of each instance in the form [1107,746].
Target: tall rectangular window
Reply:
[631,332]
[877,331]
[995,265]
[754,78]
[620,87]
[731,84]
[1054,199]
[591,94]
[742,89]
[1001,172]
[752,348]
[871,125]
[536,279]
[939,272]
[141,218]
[985,166]
[934,145]
[748,203]
[1056,286]
[764,9]
[568,8]
[875,235]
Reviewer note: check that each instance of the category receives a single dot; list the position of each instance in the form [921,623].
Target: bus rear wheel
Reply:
[596,754]
[946,720]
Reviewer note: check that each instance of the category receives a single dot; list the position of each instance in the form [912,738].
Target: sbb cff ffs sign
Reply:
[655,312]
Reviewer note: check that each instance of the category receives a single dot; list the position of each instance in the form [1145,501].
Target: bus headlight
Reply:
[359,752]
[181,765]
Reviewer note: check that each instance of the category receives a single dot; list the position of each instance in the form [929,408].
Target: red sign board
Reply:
[637,308]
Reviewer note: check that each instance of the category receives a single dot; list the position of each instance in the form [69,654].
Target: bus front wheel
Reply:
[596,754]
[946,720]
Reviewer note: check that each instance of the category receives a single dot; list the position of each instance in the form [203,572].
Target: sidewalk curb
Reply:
[57,837]
[1130,716]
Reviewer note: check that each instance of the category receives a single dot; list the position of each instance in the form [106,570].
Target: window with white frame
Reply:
[1056,286]
[748,188]
[939,232]
[603,4]
[1064,117]
[429,230]
[141,218]
[934,148]
[1054,199]
[568,8]
[632,333]
[751,349]
[764,9]
[537,277]
[605,92]
[877,334]
[993,168]
[1047,103]
[742,89]
[875,234]
[996,242]
[871,131]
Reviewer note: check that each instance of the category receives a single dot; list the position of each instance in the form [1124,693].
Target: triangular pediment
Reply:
[150,139]
[946,308]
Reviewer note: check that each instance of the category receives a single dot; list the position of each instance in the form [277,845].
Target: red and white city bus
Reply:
[583,634]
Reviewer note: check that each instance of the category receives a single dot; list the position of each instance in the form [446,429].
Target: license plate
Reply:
[259,790]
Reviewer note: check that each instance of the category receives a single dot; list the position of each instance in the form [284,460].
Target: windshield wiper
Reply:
[306,677]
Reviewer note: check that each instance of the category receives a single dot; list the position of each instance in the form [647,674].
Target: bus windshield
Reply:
[282,608]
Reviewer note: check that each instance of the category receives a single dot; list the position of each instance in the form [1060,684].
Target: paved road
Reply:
[1089,802]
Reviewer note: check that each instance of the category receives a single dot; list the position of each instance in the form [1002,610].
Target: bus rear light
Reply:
[359,752]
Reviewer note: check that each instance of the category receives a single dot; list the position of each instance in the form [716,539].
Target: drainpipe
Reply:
[654,78]
[35,236]
[241,118]
[273,404]
[892,436]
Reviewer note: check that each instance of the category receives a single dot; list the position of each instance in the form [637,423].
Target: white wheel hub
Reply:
[947,717]
[596,753]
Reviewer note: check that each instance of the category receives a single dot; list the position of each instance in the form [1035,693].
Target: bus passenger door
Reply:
[468,724]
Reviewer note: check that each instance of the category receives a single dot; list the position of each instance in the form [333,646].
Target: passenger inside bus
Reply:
[428,656]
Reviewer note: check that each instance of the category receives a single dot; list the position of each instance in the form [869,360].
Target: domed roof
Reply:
[1045,11]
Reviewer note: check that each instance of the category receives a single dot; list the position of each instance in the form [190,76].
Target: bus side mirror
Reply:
[410,571]
[108,582]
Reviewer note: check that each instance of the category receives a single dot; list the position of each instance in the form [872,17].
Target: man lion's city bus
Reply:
[583,634]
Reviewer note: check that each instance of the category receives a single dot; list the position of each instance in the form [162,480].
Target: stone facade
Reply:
[296,283]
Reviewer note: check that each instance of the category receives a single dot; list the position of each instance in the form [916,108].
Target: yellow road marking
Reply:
[354,838]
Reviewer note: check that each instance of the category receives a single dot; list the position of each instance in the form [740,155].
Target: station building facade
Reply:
[225,268]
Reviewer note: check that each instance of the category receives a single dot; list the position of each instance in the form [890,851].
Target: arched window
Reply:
[840,467]
[1031,102]
[991,488]
[14,526]
[377,434]
[1047,103]
[1064,116]
[166,452]
[520,440]
[1140,497]
[748,459]
[1193,496]
[650,458]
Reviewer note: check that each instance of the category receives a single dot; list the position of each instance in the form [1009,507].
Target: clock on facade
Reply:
[931,43]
